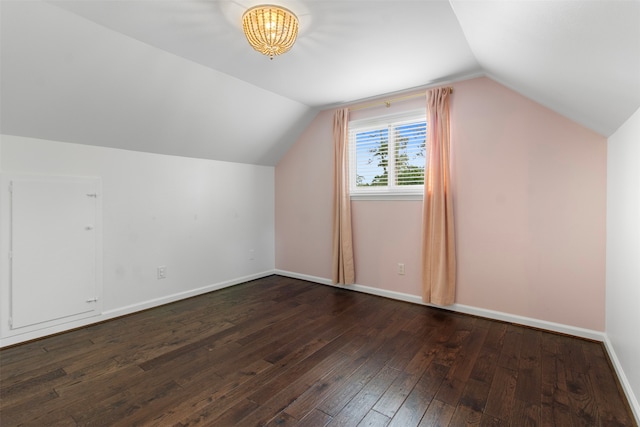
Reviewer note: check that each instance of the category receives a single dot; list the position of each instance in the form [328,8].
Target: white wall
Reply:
[199,218]
[623,254]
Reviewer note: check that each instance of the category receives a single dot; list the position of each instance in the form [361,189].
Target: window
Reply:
[387,155]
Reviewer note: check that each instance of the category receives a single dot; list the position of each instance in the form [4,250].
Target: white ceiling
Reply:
[178,77]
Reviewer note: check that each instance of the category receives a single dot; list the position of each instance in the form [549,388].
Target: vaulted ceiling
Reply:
[178,77]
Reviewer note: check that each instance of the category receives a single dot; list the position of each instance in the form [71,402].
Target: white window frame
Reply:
[390,191]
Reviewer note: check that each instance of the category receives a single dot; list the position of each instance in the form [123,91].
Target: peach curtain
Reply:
[438,238]
[343,266]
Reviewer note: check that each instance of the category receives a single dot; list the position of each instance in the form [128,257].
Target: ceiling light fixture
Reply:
[271,30]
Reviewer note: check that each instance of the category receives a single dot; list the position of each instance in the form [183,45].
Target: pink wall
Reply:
[303,206]
[530,201]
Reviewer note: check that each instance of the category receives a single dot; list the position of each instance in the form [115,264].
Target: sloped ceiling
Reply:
[177,76]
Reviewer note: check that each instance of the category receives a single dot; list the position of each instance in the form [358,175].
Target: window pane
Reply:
[372,158]
[410,151]
[387,154]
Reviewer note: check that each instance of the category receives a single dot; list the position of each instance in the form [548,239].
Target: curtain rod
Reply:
[388,101]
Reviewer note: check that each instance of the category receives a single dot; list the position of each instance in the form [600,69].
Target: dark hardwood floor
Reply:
[280,351]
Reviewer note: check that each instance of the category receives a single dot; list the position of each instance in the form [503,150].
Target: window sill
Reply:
[387,196]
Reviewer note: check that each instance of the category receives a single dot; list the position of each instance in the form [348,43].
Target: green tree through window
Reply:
[389,155]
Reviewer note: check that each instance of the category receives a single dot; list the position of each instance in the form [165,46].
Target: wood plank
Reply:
[611,411]
[36,410]
[315,418]
[380,348]
[277,395]
[282,419]
[415,405]
[18,391]
[335,401]
[475,395]
[457,377]
[363,402]
[465,416]
[204,398]
[323,388]
[501,394]
[438,414]
[489,421]
[396,394]
[324,360]
[582,398]
[230,417]
[510,353]
[529,386]
[485,365]
[374,419]
[525,414]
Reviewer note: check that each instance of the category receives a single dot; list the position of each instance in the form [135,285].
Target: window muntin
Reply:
[387,154]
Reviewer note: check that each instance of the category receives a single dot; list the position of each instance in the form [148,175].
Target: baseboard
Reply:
[183,295]
[624,381]
[531,322]
[459,308]
[123,311]
[306,277]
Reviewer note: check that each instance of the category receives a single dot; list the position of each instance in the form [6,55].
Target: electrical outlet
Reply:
[162,272]
[400,268]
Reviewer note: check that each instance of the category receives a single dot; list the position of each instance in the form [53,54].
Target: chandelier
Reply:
[271,30]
